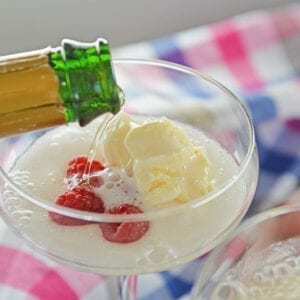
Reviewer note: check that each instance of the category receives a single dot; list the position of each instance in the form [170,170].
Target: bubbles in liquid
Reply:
[159,252]
[277,278]
[118,188]
[292,262]
[25,220]
[232,290]
[23,217]
[114,176]
[109,185]
[12,201]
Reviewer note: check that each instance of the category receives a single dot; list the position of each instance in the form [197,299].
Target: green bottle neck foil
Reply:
[87,83]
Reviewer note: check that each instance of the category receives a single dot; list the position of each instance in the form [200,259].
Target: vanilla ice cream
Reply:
[166,165]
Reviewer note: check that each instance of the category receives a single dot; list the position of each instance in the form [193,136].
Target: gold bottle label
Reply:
[29,94]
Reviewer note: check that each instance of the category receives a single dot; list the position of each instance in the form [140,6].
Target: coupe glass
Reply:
[178,233]
[260,261]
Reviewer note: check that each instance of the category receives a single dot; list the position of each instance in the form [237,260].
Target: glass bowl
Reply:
[176,234]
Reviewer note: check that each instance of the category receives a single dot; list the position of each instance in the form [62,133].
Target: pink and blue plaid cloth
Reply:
[256,55]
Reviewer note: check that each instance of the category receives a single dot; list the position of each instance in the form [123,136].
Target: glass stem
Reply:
[127,287]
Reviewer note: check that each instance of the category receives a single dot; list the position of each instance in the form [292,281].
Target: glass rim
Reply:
[261,217]
[150,215]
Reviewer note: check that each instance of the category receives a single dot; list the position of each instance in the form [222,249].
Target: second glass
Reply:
[260,261]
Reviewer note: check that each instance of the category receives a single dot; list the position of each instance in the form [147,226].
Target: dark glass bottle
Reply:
[44,88]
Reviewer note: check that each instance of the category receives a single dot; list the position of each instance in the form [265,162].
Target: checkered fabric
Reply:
[256,55]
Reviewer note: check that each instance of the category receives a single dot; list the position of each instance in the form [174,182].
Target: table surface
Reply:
[257,55]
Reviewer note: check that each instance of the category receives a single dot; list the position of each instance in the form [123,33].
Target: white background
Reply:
[32,24]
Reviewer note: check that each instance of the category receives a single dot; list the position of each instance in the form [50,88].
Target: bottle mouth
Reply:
[167,211]
[87,83]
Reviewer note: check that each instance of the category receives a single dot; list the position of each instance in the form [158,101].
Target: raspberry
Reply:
[77,198]
[126,232]
[80,165]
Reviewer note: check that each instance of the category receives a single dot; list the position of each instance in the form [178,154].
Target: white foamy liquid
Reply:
[171,239]
[274,275]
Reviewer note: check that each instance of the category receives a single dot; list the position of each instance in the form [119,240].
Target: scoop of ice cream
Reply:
[166,165]
[156,137]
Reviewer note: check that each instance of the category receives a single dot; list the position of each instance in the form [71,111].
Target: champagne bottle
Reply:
[53,86]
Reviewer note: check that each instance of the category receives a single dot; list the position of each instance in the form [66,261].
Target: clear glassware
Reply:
[178,233]
[260,260]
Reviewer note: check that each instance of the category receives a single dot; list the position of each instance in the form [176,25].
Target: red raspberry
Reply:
[77,198]
[126,232]
[80,165]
